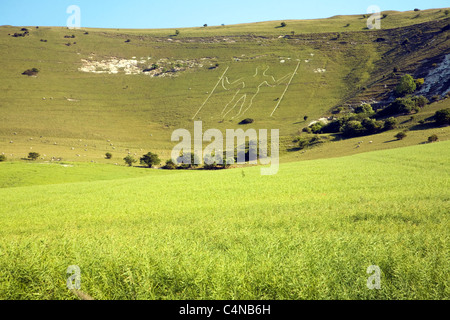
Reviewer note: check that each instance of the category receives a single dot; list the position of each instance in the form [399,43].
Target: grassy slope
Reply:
[309,232]
[143,116]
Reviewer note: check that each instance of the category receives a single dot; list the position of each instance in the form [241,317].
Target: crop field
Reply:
[309,232]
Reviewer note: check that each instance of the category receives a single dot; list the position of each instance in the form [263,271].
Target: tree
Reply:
[401,135]
[372,126]
[420,101]
[305,118]
[400,105]
[406,85]
[390,123]
[353,128]
[2,158]
[108,155]
[170,165]
[283,24]
[419,82]
[205,25]
[433,138]
[442,116]
[33,155]
[150,159]
[177,32]
[129,160]
[364,108]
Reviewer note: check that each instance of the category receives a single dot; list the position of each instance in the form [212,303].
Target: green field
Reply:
[309,232]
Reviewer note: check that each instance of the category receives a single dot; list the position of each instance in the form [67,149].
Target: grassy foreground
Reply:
[309,232]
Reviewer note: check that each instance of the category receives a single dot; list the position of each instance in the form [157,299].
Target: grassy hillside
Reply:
[309,232]
[78,116]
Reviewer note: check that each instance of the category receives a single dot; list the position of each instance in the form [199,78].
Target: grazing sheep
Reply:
[73,148]
[15,133]
[114,148]
[11,141]
[370,141]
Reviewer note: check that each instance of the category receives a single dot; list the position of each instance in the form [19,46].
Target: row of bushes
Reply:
[353,125]
[187,161]
[361,122]
[404,105]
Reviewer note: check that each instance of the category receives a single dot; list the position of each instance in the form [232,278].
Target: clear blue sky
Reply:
[188,13]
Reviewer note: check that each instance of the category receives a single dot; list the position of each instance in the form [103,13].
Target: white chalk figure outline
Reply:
[240,84]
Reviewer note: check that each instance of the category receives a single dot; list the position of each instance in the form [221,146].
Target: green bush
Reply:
[401,135]
[150,159]
[353,128]
[317,127]
[406,85]
[372,126]
[304,142]
[420,101]
[433,138]
[129,160]
[442,117]
[390,124]
[108,155]
[33,155]
[400,105]
[170,165]
[419,82]
[364,108]
[2,158]
[31,72]
[247,121]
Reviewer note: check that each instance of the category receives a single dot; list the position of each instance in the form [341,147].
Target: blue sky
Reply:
[188,13]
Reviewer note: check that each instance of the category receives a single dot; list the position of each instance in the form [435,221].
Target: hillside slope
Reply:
[126,91]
